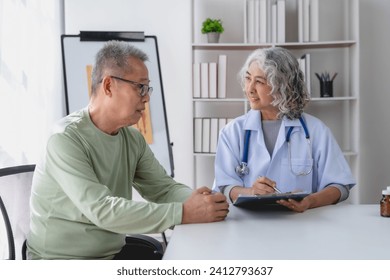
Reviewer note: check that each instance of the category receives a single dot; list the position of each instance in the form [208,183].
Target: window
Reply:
[31,83]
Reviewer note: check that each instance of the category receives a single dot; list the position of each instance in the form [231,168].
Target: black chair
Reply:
[8,228]
[138,247]
[141,247]
[13,171]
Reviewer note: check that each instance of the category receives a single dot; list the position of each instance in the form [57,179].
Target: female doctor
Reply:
[276,147]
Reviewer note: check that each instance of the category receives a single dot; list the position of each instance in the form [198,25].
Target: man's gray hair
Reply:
[114,57]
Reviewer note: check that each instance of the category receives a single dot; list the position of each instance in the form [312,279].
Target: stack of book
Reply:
[265,21]
[206,133]
[209,78]
[308,20]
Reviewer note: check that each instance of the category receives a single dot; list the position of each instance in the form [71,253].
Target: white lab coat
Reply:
[328,161]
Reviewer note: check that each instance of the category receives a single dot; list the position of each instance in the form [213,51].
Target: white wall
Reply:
[375,98]
[170,21]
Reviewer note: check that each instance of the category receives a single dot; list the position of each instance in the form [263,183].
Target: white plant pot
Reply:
[213,37]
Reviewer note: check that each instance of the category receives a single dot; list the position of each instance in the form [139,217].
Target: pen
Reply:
[277,190]
[274,187]
[325,77]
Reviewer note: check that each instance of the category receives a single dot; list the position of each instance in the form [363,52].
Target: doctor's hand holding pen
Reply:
[262,185]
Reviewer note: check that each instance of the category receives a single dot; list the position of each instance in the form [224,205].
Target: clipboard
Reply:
[267,200]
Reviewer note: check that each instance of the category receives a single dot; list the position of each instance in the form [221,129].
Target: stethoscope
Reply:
[242,169]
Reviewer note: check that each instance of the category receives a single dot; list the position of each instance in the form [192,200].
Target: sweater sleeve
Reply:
[95,203]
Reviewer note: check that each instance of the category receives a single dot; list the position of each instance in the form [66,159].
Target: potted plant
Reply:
[213,28]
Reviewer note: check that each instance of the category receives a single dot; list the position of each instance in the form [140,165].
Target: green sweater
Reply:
[81,200]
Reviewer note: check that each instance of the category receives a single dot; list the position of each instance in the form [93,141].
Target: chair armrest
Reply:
[143,247]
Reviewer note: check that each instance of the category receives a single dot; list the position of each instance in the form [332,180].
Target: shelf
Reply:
[219,100]
[205,154]
[343,98]
[314,99]
[350,153]
[290,45]
[337,51]
[345,153]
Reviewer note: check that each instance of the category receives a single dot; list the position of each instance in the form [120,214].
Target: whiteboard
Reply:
[78,51]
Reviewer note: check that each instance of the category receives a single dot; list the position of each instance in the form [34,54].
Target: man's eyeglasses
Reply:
[143,89]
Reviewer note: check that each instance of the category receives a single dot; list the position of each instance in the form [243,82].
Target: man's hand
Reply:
[203,206]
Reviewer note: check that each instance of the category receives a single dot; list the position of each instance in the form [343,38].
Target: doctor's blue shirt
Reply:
[327,160]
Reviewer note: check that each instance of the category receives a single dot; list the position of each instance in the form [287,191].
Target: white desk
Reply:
[334,232]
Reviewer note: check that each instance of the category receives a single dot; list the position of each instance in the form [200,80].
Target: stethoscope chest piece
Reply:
[242,169]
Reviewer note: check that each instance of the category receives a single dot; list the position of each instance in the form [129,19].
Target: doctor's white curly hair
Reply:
[285,78]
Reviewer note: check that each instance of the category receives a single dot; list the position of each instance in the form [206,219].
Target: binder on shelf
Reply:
[257,21]
[314,21]
[300,20]
[222,68]
[213,134]
[281,24]
[198,135]
[269,20]
[250,10]
[204,80]
[212,80]
[196,80]
[274,22]
[306,20]
[263,21]
[205,135]
[245,21]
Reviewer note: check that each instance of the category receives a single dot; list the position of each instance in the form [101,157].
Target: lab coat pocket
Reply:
[297,174]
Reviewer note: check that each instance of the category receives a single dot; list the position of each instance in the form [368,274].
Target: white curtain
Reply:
[31,82]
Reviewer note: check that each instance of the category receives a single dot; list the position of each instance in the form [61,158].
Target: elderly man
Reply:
[81,200]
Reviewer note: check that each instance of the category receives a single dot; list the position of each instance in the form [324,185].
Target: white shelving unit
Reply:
[336,51]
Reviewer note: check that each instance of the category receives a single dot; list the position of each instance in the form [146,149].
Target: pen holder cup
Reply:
[326,88]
